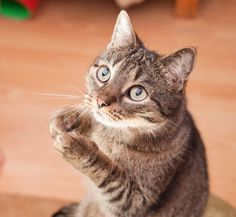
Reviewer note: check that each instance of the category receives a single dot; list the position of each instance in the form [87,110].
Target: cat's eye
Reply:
[138,93]
[103,74]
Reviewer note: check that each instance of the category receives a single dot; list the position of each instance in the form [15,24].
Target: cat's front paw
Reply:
[67,120]
[79,148]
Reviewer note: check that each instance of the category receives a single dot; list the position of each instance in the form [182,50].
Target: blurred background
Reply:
[50,53]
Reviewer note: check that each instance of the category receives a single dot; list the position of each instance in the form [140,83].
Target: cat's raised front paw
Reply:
[78,148]
[64,121]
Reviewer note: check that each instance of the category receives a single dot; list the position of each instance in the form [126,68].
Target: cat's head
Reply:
[131,86]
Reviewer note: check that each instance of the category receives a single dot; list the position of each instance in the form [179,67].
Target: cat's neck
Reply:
[165,136]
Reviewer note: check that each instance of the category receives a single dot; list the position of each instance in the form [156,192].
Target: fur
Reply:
[142,158]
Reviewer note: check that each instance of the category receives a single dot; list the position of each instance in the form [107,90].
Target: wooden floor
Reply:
[56,48]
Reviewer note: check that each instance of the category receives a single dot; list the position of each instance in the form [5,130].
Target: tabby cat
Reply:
[132,136]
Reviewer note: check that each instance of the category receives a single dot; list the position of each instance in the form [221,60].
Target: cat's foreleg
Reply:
[121,194]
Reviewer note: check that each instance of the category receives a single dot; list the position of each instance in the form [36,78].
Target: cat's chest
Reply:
[109,144]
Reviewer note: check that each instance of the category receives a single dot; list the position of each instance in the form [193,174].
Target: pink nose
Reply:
[101,103]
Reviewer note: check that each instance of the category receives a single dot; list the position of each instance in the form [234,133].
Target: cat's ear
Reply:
[123,33]
[178,66]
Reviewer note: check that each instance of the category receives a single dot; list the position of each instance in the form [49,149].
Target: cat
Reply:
[132,136]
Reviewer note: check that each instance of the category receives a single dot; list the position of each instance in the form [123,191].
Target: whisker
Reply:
[67,118]
[84,112]
[171,123]
[55,94]
[78,89]
[71,108]
[55,78]
[74,87]
[87,103]
[112,154]
[127,153]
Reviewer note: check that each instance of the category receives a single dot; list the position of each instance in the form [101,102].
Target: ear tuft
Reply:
[178,67]
[123,34]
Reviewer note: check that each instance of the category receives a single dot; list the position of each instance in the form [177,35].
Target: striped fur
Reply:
[142,159]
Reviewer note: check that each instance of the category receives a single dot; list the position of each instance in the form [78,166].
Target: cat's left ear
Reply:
[123,33]
[178,66]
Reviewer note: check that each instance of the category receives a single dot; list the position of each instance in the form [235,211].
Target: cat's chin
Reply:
[121,124]
[106,121]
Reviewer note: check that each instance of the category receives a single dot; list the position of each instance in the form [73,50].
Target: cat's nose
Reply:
[101,103]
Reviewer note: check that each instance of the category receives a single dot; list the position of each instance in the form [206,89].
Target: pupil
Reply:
[105,72]
[138,91]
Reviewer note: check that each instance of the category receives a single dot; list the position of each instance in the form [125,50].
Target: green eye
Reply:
[103,74]
[138,93]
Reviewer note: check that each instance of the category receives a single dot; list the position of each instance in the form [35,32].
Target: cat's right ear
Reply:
[123,33]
